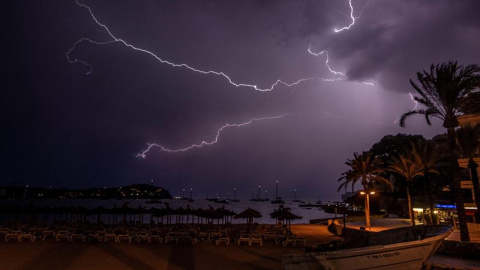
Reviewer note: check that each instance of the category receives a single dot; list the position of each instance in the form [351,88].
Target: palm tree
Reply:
[367,169]
[405,167]
[424,154]
[469,142]
[446,92]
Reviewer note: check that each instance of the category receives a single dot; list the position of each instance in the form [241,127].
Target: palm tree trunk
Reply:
[367,211]
[457,185]
[431,204]
[476,190]
[410,208]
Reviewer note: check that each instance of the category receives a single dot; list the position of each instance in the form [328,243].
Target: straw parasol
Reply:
[288,216]
[249,214]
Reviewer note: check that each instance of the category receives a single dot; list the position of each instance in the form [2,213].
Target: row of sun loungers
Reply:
[165,235]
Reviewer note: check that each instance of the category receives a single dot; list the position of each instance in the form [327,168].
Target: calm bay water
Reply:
[265,208]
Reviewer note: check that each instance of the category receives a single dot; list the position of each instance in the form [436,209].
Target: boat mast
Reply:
[276,192]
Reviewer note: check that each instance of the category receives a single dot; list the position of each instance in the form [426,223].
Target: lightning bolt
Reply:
[398,119]
[329,68]
[143,154]
[352,17]
[115,39]
[326,61]
[414,101]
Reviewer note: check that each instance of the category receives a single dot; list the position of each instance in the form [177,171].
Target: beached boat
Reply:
[400,248]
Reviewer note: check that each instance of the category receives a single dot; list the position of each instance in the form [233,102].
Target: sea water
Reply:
[265,208]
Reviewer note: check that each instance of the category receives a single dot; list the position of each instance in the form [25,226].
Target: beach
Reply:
[51,255]
[77,255]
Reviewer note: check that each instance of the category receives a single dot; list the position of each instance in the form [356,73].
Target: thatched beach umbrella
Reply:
[249,214]
[288,216]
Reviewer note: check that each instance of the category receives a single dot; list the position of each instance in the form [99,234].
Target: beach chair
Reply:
[171,237]
[26,236]
[154,235]
[256,239]
[124,236]
[47,233]
[214,236]
[290,240]
[62,235]
[244,238]
[203,236]
[142,235]
[110,236]
[4,231]
[223,238]
[12,235]
[77,236]
[94,236]
[190,236]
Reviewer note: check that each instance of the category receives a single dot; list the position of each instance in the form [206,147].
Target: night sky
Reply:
[61,127]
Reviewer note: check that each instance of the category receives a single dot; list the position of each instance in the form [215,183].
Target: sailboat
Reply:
[277,200]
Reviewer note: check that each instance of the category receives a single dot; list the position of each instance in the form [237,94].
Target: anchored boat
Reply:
[400,248]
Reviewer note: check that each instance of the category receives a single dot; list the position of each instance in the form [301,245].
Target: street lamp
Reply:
[367,205]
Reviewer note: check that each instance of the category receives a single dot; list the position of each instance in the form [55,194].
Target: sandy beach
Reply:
[49,254]
[52,255]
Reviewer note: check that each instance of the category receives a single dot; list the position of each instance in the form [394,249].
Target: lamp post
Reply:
[367,194]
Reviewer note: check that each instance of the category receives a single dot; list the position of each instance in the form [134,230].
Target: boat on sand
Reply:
[399,248]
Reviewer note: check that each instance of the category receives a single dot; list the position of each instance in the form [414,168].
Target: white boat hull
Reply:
[404,255]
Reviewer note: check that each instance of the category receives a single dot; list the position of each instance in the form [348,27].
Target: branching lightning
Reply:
[206,72]
[326,61]
[328,66]
[352,17]
[143,154]
[338,76]
[398,119]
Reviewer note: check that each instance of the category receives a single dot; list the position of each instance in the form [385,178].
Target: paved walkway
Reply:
[389,223]
[455,236]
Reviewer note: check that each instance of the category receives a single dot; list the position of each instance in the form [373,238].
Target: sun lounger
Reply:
[142,235]
[12,235]
[203,236]
[48,233]
[62,235]
[26,236]
[256,239]
[94,236]
[291,240]
[223,239]
[171,237]
[155,236]
[77,236]
[244,238]
[110,236]
[124,237]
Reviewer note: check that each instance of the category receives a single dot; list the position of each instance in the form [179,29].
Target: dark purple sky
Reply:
[61,127]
